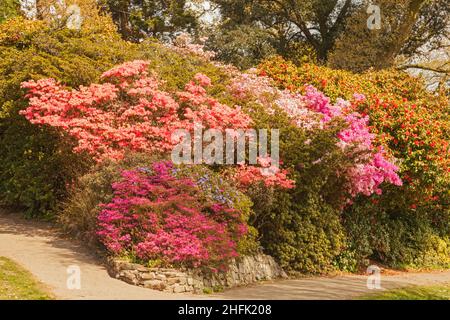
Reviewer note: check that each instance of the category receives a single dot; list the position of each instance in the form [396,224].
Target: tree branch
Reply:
[427,68]
[340,18]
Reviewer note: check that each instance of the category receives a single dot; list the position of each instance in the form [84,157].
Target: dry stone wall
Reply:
[241,271]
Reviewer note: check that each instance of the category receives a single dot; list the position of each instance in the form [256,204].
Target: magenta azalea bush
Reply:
[157,216]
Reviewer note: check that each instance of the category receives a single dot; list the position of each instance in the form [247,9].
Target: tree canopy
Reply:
[137,19]
[8,9]
[332,28]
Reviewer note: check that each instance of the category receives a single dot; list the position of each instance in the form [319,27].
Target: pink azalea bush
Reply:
[127,112]
[313,111]
[159,216]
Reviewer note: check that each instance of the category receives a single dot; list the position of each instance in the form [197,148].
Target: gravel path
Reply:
[41,250]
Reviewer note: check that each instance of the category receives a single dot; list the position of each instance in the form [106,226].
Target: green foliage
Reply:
[412,124]
[34,168]
[36,164]
[404,240]
[138,19]
[303,233]
[301,228]
[339,28]
[404,29]
[9,9]
[243,46]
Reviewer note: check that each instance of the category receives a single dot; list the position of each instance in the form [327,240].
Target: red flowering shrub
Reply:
[411,123]
[156,215]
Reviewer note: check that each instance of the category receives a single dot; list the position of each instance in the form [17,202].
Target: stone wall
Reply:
[241,271]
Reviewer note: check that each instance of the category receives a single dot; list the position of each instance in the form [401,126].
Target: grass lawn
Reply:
[16,283]
[441,292]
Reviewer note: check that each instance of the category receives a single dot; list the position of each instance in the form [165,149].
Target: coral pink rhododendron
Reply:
[159,216]
[129,112]
[267,173]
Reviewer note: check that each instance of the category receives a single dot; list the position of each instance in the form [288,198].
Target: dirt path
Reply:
[38,247]
[331,288]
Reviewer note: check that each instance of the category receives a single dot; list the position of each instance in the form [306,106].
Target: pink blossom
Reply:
[313,111]
[159,216]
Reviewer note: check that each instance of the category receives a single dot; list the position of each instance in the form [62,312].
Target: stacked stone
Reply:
[242,271]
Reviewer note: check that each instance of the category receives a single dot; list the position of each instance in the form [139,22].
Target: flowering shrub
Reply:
[158,216]
[106,119]
[130,112]
[411,124]
[313,110]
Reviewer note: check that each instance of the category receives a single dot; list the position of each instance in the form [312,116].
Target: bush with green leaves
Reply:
[79,213]
[419,239]
[9,9]
[301,227]
[411,223]
[36,164]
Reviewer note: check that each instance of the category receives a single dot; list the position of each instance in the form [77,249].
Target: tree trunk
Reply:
[41,7]
[404,30]
[125,20]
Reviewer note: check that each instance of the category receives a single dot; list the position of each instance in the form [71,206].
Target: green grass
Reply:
[441,292]
[16,283]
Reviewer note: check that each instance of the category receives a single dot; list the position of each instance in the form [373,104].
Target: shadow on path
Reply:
[42,249]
